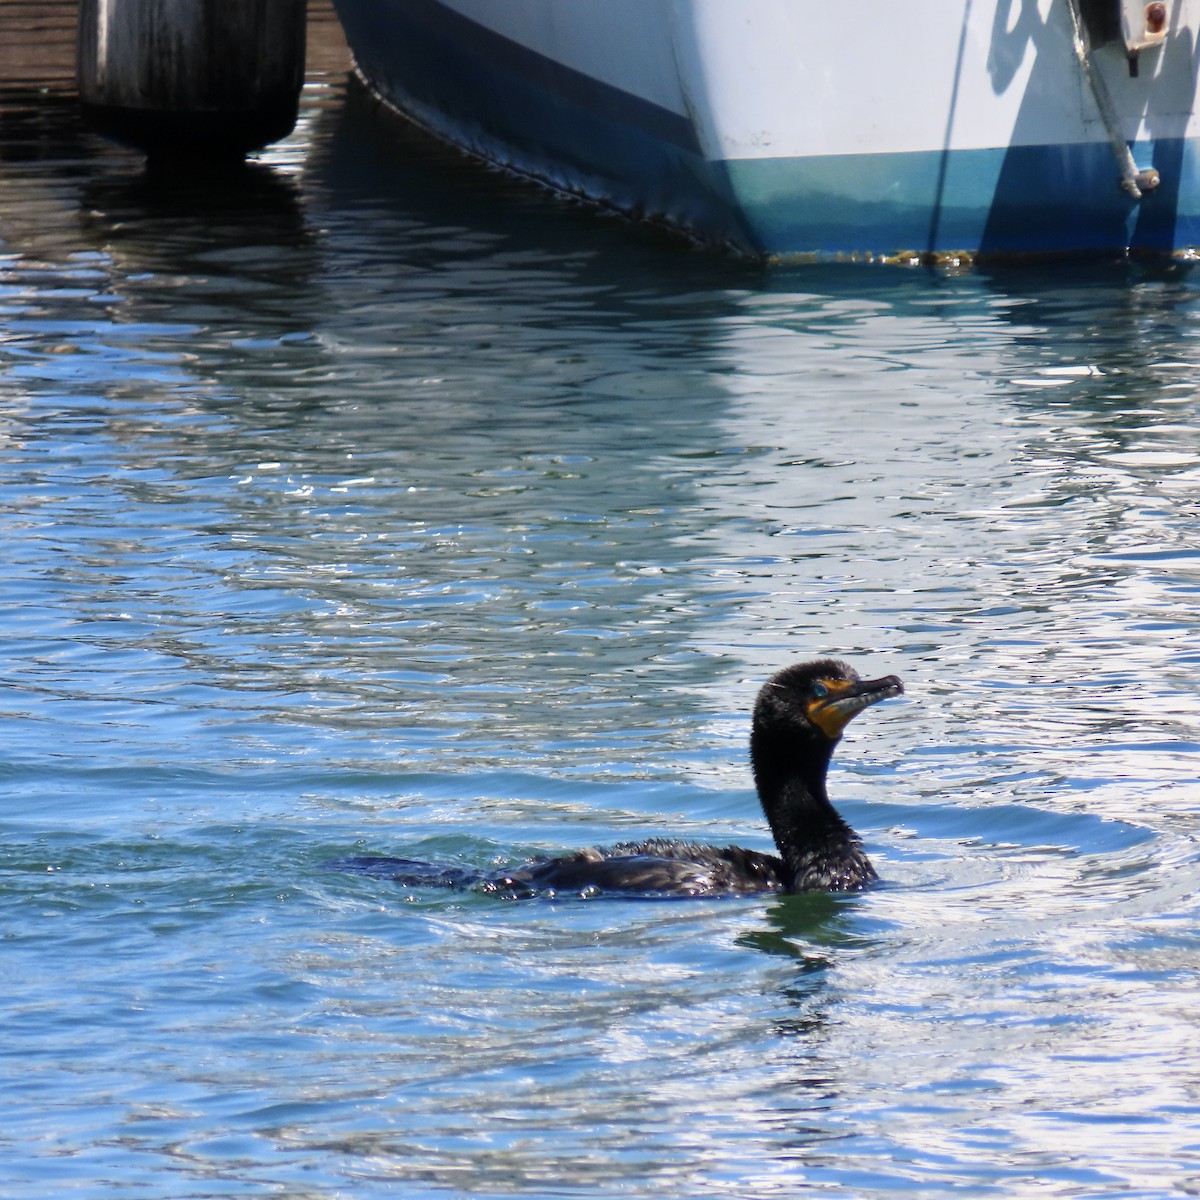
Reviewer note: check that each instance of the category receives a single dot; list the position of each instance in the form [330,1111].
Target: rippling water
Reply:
[371,503]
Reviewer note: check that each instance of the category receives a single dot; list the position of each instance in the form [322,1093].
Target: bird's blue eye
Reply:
[819,690]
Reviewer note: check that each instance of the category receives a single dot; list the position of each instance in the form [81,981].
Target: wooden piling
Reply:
[212,78]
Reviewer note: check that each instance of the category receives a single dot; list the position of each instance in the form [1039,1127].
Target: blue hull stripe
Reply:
[1023,200]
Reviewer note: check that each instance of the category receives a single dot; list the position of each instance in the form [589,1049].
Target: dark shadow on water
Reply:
[237,233]
[38,126]
[366,154]
[171,209]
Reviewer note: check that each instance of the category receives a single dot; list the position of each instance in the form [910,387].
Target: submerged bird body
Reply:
[798,720]
[658,867]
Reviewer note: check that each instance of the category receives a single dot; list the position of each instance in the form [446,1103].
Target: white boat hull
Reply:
[783,127]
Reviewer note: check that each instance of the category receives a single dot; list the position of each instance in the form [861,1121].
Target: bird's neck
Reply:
[818,848]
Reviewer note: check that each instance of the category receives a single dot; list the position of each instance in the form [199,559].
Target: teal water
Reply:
[374,504]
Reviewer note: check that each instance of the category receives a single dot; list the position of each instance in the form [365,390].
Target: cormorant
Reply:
[798,719]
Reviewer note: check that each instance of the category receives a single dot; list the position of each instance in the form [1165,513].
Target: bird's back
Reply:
[659,867]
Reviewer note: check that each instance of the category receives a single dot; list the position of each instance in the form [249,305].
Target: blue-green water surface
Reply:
[370,503]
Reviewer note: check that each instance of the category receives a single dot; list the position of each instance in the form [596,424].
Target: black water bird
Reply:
[798,719]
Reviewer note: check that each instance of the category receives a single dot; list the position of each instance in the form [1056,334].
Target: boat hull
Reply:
[745,124]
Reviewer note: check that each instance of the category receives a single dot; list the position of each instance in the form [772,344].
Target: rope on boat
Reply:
[1133,181]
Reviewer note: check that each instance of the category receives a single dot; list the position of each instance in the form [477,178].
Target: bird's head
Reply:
[817,700]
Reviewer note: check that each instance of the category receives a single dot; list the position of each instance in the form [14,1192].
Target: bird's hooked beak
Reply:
[844,700]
